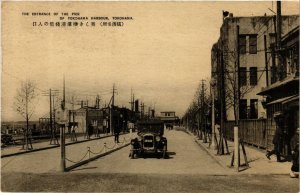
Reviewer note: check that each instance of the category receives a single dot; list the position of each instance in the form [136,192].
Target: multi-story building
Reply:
[247,40]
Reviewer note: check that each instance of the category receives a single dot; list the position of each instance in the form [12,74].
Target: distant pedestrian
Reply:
[90,130]
[73,134]
[278,137]
[117,133]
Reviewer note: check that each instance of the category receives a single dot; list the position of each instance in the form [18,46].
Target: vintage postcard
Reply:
[149,96]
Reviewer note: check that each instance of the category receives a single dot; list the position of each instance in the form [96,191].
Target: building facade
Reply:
[247,40]
[169,117]
[282,95]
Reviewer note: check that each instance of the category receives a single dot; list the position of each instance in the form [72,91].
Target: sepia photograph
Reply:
[150,96]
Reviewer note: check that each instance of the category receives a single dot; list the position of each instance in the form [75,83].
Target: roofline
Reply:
[259,16]
[291,32]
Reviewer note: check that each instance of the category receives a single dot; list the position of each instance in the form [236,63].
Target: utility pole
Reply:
[112,109]
[62,131]
[203,116]
[199,118]
[50,95]
[273,52]
[142,109]
[237,92]
[213,133]
[238,86]
[266,60]
[131,100]
[278,39]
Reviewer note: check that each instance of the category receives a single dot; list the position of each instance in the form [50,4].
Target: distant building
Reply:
[87,115]
[169,117]
[253,67]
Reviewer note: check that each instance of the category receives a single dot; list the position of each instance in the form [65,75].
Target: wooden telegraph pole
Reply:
[112,109]
[213,133]
[203,125]
[62,133]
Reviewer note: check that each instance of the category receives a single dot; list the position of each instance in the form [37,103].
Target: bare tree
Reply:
[24,104]
[231,78]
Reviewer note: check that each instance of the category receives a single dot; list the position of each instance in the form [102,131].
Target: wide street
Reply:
[189,169]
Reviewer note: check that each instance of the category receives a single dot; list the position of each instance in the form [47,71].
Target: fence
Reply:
[256,132]
[90,155]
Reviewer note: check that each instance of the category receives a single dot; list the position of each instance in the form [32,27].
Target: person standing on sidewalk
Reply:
[278,137]
[117,133]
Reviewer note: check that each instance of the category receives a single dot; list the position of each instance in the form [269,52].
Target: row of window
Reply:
[243,76]
[248,112]
[252,43]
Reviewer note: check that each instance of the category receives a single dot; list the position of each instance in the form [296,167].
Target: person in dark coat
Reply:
[90,130]
[295,157]
[117,133]
[278,138]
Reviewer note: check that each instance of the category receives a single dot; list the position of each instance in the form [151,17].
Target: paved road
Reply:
[189,169]
[186,157]
[101,182]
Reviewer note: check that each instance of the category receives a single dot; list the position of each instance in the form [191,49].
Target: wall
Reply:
[227,42]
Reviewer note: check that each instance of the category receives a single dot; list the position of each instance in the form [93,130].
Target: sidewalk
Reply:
[258,162]
[49,161]
[45,144]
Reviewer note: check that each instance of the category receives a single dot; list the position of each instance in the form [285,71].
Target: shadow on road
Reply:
[85,168]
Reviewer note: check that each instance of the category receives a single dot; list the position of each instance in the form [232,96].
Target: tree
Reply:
[24,104]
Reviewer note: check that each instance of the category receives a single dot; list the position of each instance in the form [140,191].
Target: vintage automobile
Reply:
[6,139]
[150,140]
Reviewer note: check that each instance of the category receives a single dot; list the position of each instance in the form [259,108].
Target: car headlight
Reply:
[157,138]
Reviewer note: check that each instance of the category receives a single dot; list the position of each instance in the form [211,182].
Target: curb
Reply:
[67,169]
[55,146]
[210,154]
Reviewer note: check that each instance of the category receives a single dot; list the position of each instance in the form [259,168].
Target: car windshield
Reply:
[156,128]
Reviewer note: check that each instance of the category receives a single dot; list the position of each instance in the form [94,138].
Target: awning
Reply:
[279,84]
[296,97]
[285,99]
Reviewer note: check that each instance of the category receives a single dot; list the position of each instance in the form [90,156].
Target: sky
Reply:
[161,54]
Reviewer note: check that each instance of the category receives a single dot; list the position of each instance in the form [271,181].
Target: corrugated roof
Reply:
[283,100]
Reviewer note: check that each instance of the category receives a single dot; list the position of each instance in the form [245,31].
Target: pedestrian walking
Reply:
[278,137]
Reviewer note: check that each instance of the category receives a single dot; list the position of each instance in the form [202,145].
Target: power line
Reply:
[7,73]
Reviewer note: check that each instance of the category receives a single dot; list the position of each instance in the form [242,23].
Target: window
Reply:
[253,76]
[273,74]
[272,39]
[243,76]
[243,109]
[253,109]
[253,44]
[242,46]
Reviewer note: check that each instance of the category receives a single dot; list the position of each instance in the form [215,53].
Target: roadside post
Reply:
[236,147]
[62,148]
